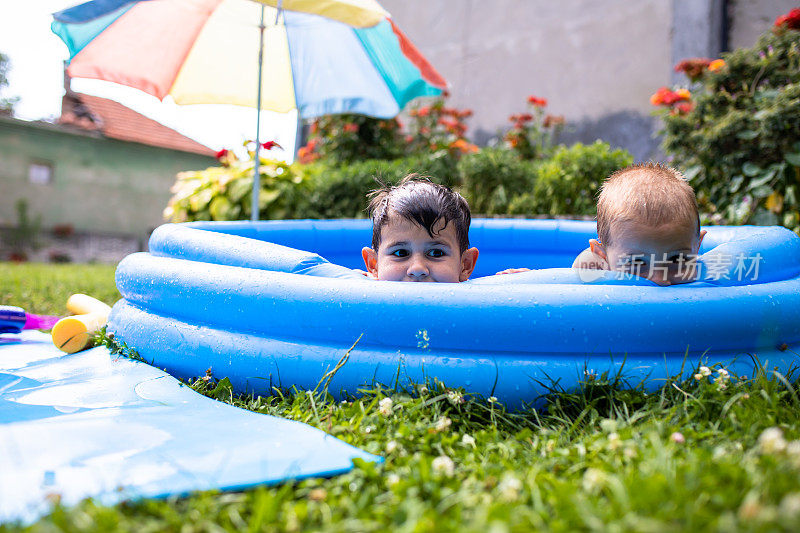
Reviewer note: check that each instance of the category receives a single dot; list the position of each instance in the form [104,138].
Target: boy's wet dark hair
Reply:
[419,200]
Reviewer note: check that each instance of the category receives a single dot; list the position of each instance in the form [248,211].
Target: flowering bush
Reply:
[737,133]
[346,138]
[437,127]
[225,192]
[533,132]
[350,137]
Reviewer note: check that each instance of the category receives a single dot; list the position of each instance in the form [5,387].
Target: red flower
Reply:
[409,139]
[222,153]
[665,96]
[536,101]
[694,67]
[465,113]
[314,127]
[350,127]
[682,108]
[791,20]
[520,119]
[553,120]
[269,145]
[420,112]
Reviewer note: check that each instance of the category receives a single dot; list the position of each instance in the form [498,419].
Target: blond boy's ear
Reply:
[468,260]
[700,241]
[370,261]
[598,249]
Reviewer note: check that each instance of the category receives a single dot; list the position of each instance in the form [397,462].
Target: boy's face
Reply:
[663,254]
[408,253]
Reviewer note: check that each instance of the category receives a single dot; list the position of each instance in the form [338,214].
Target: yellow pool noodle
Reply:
[74,333]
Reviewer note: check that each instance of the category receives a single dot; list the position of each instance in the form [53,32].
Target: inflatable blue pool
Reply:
[275,304]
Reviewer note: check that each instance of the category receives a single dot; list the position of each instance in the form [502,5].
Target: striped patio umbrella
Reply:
[327,57]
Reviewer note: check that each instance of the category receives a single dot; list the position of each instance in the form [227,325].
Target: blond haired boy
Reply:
[648,225]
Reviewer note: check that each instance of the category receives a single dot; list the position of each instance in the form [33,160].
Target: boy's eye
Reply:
[400,253]
[436,253]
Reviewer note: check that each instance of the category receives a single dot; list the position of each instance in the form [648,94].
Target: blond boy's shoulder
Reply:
[590,260]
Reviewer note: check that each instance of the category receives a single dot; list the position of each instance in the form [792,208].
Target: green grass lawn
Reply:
[693,456]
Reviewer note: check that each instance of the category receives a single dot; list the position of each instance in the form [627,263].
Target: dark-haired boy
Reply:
[419,233]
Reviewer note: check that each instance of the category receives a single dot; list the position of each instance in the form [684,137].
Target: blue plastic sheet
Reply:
[96,425]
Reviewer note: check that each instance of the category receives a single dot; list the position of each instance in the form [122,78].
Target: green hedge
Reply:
[567,184]
[495,181]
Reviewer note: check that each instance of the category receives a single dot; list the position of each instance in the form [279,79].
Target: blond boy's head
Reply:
[648,223]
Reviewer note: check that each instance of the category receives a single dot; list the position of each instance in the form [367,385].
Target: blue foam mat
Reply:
[96,425]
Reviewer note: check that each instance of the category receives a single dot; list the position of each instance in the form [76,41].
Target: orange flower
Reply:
[350,127]
[716,65]
[464,146]
[536,101]
[306,155]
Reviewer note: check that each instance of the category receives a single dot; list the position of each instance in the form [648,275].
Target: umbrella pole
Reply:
[256,174]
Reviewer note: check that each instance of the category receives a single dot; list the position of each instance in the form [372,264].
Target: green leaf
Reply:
[267,197]
[763,217]
[223,390]
[761,192]
[736,183]
[692,172]
[793,158]
[751,169]
[747,135]
[220,208]
[762,180]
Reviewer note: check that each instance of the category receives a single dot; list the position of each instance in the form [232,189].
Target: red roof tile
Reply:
[116,121]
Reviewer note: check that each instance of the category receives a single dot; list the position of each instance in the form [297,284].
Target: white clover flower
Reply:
[468,440]
[677,437]
[385,406]
[790,505]
[629,452]
[608,425]
[721,384]
[442,424]
[492,399]
[423,390]
[455,397]
[391,446]
[614,442]
[593,479]
[771,441]
[698,377]
[723,374]
[704,370]
[443,465]
[509,488]
[392,479]
[793,449]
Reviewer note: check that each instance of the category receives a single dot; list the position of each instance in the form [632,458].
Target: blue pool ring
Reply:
[247,301]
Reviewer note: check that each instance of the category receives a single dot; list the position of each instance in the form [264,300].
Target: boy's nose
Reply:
[417,268]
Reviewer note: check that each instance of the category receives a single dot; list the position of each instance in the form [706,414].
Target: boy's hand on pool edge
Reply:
[513,271]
